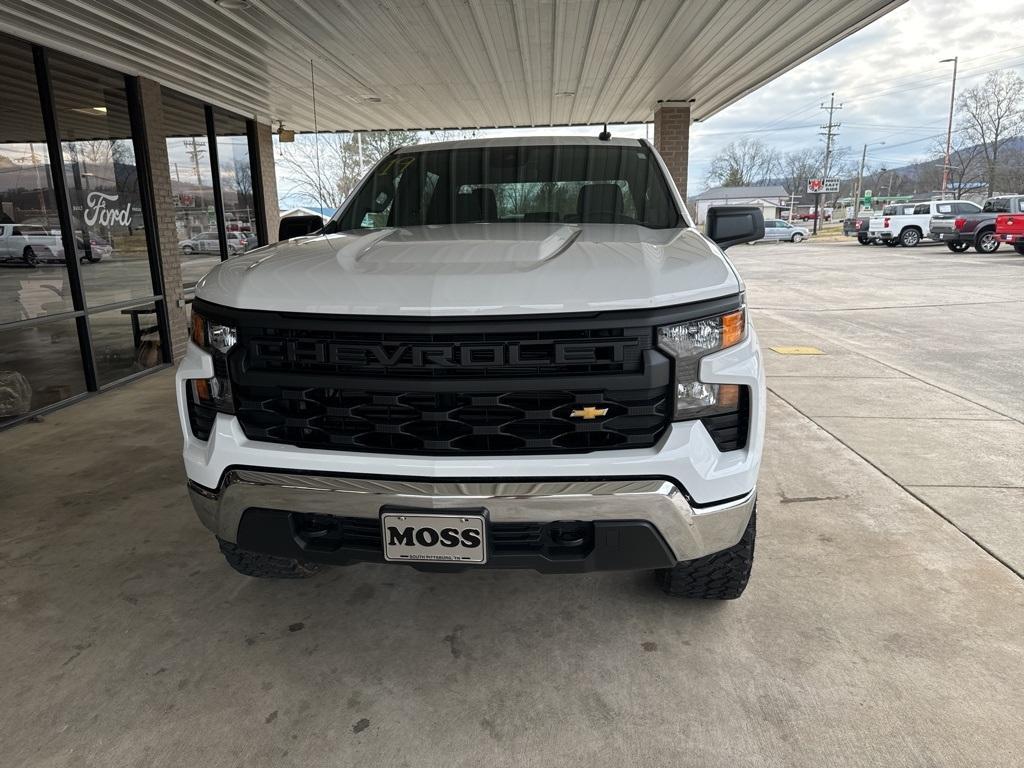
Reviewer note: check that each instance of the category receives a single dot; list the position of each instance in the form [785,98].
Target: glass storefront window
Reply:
[125,341]
[33,271]
[75,126]
[188,156]
[102,181]
[40,364]
[236,181]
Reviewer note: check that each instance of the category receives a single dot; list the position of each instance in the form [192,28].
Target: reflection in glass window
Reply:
[40,364]
[102,180]
[33,272]
[125,341]
[188,156]
[236,180]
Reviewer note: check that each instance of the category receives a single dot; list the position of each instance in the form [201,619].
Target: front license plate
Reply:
[430,538]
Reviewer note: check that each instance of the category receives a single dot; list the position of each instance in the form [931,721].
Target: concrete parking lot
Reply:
[884,625]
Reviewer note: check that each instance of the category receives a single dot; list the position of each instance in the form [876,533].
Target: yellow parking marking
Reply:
[797,350]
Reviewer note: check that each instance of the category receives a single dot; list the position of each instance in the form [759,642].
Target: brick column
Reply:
[672,140]
[265,143]
[167,234]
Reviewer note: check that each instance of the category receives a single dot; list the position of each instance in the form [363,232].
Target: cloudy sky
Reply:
[887,77]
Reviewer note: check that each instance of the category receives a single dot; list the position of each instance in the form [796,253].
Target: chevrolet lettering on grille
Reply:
[442,355]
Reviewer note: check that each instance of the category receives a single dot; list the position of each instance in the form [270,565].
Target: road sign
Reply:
[822,185]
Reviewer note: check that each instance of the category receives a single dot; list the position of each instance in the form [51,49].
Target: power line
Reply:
[937,79]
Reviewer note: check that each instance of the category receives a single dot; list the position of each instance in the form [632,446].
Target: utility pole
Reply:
[949,129]
[860,179]
[830,132]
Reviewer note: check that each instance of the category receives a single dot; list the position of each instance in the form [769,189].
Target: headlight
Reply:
[687,343]
[212,336]
[218,340]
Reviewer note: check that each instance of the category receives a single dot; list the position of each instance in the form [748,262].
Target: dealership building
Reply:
[137,140]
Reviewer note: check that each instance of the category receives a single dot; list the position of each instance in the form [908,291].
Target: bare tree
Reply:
[745,162]
[990,115]
[343,158]
[967,166]
[799,166]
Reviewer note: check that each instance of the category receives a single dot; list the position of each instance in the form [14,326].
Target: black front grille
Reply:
[458,386]
[326,533]
[450,422]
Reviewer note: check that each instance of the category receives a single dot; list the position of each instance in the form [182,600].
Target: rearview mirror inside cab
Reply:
[734,224]
[298,226]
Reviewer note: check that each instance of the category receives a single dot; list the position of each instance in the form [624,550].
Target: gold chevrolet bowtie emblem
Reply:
[590,412]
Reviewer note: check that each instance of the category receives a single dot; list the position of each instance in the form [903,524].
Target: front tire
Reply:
[910,238]
[958,247]
[864,240]
[797,237]
[719,576]
[29,256]
[987,242]
[188,250]
[262,566]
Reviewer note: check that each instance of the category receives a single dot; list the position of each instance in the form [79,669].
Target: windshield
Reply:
[553,183]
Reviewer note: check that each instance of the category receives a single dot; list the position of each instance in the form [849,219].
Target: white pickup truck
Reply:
[503,353]
[907,224]
[29,244]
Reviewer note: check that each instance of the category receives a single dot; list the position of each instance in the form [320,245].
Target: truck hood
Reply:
[475,269]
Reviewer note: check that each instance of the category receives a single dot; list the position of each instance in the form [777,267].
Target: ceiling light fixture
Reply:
[234,5]
[371,99]
[565,93]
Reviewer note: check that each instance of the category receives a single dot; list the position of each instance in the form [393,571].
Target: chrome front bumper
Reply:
[689,531]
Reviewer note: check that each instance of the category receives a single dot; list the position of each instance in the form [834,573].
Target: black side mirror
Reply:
[734,224]
[298,226]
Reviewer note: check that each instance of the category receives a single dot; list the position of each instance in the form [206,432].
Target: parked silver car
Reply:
[777,229]
[209,242]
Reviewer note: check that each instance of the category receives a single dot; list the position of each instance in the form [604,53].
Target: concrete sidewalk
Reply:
[875,632]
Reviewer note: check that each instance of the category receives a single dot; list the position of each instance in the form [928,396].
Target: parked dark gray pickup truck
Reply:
[959,231]
[858,228]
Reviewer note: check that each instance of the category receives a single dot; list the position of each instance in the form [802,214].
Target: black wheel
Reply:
[986,242]
[187,250]
[864,240]
[958,247]
[910,237]
[29,256]
[797,237]
[263,566]
[1019,248]
[720,576]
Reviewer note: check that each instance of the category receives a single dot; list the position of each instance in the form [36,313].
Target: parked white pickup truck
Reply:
[29,244]
[907,224]
[502,353]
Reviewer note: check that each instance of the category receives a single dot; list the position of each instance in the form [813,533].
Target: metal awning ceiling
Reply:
[448,63]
